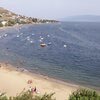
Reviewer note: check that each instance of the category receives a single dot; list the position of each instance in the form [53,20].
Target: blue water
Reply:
[72,53]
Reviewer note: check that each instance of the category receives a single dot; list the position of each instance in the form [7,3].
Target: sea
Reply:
[68,51]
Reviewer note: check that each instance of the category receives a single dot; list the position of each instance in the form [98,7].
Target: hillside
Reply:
[4,11]
[11,18]
[5,14]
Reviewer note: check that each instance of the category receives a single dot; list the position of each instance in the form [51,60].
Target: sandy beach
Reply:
[13,81]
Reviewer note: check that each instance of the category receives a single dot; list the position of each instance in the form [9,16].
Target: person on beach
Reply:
[32,90]
[35,90]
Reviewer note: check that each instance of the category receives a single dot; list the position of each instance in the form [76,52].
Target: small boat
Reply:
[65,46]
[43,45]
[5,35]
[31,41]
[48,35]
[42,38]
[49,43]
[17,36]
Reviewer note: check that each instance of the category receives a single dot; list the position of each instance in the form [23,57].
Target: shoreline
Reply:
[44,84]
[39,74]
[14,26]
[27,72]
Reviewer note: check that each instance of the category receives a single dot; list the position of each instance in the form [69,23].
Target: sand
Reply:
[14,80]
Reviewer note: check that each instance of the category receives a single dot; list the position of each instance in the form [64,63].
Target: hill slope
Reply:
[5,14]
[12,18]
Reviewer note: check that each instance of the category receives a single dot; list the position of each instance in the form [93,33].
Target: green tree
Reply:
[11,22]
[1,25]
[34,20]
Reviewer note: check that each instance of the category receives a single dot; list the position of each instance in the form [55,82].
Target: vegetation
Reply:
[11,22]
[28,96]
[1,25]
[84,94]
[81,94]
[44,97]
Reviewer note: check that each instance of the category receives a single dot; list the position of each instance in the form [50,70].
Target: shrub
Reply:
[84,94]
[28,96]
[44,97]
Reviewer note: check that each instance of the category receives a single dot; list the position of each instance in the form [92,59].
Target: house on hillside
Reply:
[1,15]
[3,22]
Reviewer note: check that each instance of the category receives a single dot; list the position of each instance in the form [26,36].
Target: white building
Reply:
[4,23]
